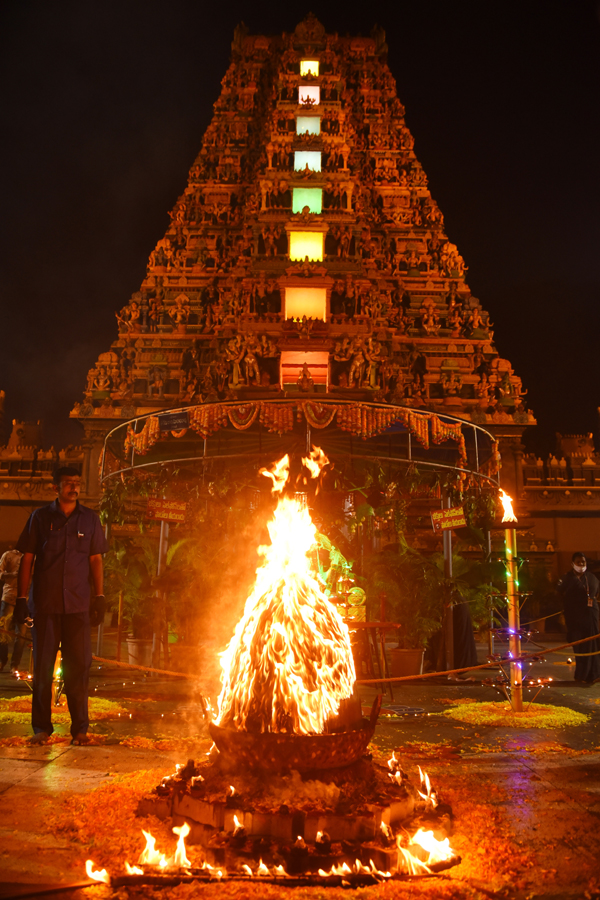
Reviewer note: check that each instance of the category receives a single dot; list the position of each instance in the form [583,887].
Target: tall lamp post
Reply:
[512,590]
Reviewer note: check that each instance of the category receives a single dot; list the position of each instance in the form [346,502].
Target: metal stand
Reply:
[514,625]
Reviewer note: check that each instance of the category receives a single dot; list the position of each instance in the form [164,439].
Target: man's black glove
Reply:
[97,610]
[21,612]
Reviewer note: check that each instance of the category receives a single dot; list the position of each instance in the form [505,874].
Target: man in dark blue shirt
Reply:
[66,541]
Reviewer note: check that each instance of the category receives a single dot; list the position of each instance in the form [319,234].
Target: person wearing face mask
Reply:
[579,591]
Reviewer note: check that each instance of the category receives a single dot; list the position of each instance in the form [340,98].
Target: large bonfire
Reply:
[289,664]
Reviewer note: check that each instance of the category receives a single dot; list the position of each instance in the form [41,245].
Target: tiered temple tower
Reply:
[306,255]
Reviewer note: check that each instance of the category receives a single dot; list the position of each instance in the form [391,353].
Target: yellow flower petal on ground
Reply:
[17,710]
[535,715]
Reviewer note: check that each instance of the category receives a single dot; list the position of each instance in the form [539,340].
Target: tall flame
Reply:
[289,663]
[509,515]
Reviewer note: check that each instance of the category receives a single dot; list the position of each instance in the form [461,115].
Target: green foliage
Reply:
[212,555]
[415,590]
[129,566]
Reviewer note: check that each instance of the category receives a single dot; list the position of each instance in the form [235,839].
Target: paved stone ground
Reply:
[543,785]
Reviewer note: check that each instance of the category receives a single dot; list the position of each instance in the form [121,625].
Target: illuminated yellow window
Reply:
[311,197]
[306,243]
[310,92]
[309,302]
[310,124]
[309,66]
[310,158]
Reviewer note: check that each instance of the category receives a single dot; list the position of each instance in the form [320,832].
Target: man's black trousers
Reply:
[72,633]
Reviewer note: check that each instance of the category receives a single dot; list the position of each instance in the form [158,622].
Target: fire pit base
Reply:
[276,752]
[304,823]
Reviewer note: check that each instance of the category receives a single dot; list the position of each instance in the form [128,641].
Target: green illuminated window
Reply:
[311,197]
[310,124]
[310,158]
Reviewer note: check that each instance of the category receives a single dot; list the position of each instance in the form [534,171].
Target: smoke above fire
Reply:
[289,664]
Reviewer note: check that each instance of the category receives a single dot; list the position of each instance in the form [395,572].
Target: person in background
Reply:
[5,621]
[579,592]
[66,541]
[9,569]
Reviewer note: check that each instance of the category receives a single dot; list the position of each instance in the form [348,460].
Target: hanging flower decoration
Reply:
[360,419]
[243,416]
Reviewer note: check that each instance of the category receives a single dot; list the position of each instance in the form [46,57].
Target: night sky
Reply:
[104,107]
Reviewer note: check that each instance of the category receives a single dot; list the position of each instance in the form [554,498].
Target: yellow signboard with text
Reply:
[167,510]
[442,519]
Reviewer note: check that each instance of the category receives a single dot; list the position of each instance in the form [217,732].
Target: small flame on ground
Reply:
[262,869]
[231,791]
[509,515]
[359,868]
[180,857]
[392,761]
[133,870]
[387,831]
[98,875]
[431,795]
[247,870]
[437,851]
[150,855]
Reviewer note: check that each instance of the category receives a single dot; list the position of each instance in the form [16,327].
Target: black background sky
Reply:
[104,104]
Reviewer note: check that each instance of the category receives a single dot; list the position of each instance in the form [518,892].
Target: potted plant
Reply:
[414,587]
[128,568]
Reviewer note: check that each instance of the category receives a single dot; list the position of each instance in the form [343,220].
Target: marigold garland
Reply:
[317,415]
[360,419]
[145,439]
[242,417]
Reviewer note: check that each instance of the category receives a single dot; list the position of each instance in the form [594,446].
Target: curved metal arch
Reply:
[471,428]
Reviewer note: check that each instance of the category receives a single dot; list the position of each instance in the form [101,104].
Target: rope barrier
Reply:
[492,665]
[124,665]
[394,680]
[114,662]
[542,618]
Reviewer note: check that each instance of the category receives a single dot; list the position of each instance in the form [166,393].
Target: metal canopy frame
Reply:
[394,445]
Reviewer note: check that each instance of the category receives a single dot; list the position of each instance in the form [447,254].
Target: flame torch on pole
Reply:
[512,591]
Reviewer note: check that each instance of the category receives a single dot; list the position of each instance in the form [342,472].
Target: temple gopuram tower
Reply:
[306,258]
